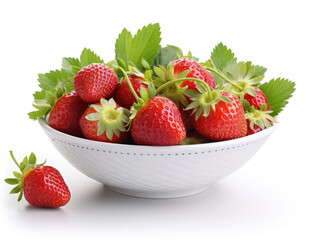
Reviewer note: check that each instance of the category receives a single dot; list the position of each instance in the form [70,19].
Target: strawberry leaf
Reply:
[71,65]
[44,100]
[88,57]
[49,81]
[144,45]
[123,47]
[259,70]
[39,113]
[277,92]
[166,55]
[223,58]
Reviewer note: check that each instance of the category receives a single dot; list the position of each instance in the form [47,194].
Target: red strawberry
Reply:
[94,82]
[42,186]
[257,101]
[105,122]
[187,117]
[158,122]
[218,116]
[182,68]
[195,71]
[123,95]
[65,114]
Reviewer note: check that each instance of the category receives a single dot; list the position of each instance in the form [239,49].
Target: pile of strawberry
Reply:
[150,95]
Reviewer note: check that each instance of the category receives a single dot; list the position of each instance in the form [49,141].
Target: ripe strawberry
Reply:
[226,122]
[158,122]
[42,186]
[186,116]
[123,95]
[66,112]
[94,82]
[195,71]
[179,69]
[105,122]
[257,101]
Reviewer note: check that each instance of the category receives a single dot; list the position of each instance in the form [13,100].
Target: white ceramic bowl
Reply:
[156,172]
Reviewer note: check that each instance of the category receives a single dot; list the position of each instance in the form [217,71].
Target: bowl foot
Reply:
[159,194]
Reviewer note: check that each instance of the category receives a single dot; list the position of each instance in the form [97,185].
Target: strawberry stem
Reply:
[14,159]
[181,80]
[128,82]
[223,76]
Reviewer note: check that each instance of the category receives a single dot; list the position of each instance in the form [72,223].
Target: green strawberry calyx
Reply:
[203,99]
[146,76]
[206,100]
[26,166]
[172,91]
[111,119]
[261,117]
[244,82]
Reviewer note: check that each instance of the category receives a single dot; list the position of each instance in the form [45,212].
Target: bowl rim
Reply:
[250,138]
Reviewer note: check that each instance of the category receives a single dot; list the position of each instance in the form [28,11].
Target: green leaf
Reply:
[20,196]
[39,113]
[251,92]
[32,158]
[71,65]
[22,166]
[49,81]
[148,75]
[277,92]
[12,181]
[222,56]
[183,74]
[241,70]
[44,101]
[55,84]
[123,47]
[88,57]
[144,94]
[246,104]
[263,107]
[224,60]
[145,64]
[93,116]
[151,90]
[16,189]
[17,174]
[259,70]
[144,45]
[166,55]
[160,72]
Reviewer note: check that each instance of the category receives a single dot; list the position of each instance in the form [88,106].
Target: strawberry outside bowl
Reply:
[156,171]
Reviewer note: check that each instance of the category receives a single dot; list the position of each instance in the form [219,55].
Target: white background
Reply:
[277,195]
